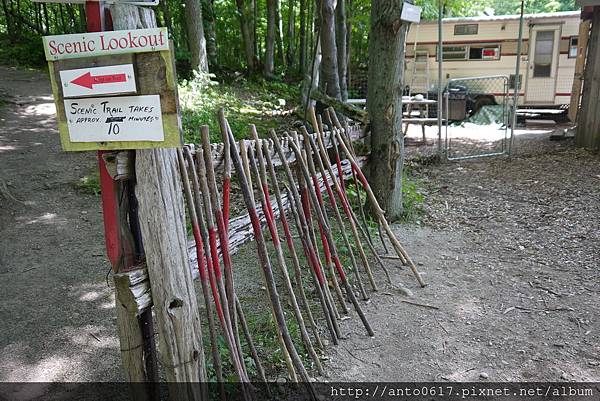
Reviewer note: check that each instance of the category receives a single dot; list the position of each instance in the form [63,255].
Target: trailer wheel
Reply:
[485,100]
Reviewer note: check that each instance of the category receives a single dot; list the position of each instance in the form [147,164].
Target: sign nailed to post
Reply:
[108,119]
[132,71]
[61,47]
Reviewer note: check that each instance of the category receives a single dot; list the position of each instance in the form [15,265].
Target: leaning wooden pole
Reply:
[291,247]
[196,231]
[321,218]
[268,271]
[261,178]
[380,214]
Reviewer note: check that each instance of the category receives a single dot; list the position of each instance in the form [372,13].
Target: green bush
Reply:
[27,51]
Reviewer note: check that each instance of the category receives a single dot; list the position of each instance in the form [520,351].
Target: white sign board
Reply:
[411,13]
[60,47]
[98,81]
[108,119]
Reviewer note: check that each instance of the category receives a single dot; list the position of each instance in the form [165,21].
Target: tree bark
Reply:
[329,65]
[279,33]
[588,127]
[248,37]
[291,37]
[303,42]
[162,223]
[208,13]
[195,35]
[384,103]
[269,62]
[342,54]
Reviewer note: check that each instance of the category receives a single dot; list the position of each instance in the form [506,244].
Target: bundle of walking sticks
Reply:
[313,192]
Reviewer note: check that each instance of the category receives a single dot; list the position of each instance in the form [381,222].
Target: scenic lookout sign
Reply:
[114,90]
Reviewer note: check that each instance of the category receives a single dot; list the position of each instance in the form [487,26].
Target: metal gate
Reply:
[477,117]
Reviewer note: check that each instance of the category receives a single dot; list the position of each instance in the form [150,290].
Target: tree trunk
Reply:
[342,54]
[167,16]
[303,42]
[588,127]
[208,12]
[195,35]
[291,37]
[384,103]
[269,62]
[162,223]
[247,35]
[279,33]
[329,65]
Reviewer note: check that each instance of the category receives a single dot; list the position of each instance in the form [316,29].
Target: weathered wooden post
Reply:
[162,223]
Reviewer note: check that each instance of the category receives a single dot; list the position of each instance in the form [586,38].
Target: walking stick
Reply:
[380,213]
[336,259]
[321,205]
[223,237]
[220,286]
[268,271]
[308,244]
[261,180]
[224,125]
[291,247]
[309,142]
[201,270]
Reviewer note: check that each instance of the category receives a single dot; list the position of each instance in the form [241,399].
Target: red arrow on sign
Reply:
[88,80]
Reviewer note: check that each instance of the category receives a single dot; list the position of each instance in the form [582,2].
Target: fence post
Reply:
[162,224]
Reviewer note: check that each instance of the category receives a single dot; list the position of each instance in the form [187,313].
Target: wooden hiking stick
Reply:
[261,179]
[336,259]
[307,244]
[291,247]
[333,117]
[268,271]
[348,210]
[223,237]
[211,275]
[192,210]
[380,213]
[312,148]
[224,125]
[212,239]
[321,205]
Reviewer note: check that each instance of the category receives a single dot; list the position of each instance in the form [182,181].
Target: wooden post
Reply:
[588,129]
[162,224]
[582,44]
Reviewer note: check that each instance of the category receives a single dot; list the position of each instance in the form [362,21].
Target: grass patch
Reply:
[89,184]
[245,102]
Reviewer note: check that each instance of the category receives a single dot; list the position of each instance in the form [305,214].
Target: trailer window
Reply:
[573,41]
[454,53]
[484,52]
[466,29]
[544,49]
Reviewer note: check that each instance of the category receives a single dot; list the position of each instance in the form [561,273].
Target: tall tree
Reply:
[248,36]
[269,62]
[303,42]
[329,60]
[291,35]
[384,102]
[195,35]
[208,12]
[341,42]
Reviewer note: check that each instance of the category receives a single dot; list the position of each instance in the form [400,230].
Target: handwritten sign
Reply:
[96,81]
[108,119]
[59,47]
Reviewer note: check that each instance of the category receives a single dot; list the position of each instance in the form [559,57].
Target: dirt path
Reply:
[510,249]
[56,312]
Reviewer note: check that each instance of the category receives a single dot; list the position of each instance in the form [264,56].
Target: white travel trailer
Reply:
[487,45]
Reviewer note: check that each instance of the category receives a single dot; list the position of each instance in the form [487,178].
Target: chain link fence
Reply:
[477,114]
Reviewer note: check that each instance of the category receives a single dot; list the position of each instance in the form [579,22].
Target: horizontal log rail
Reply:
[240,227]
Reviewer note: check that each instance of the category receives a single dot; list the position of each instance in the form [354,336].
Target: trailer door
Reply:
[543,64]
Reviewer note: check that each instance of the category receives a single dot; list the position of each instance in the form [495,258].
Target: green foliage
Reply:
[89,184]
[26,51]
[245,102]
[412,198]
